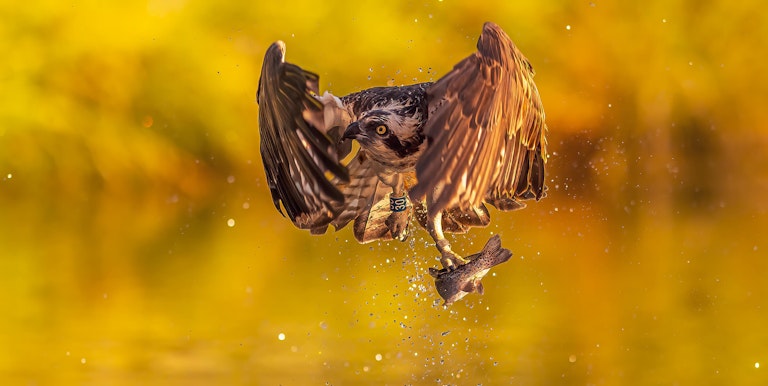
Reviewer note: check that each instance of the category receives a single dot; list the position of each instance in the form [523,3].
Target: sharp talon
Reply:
[452,261]
[397,222]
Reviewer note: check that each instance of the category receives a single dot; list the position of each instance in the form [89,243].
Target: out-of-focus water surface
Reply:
[139,244]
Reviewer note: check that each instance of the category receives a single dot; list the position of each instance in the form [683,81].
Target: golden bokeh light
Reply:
[139,243]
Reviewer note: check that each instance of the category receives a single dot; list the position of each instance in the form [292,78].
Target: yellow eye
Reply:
[381,129]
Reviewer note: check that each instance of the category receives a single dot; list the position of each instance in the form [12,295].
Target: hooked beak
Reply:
[353,130]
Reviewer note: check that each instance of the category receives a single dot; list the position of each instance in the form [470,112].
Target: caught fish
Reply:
[455,284]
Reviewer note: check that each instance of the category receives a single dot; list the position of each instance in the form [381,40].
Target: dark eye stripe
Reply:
[402,149]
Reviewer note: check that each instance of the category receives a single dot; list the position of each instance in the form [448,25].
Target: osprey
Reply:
[434,151]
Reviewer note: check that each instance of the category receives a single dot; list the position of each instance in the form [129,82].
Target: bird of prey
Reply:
[437,152]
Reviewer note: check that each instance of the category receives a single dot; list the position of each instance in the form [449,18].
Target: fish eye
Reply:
[381,129]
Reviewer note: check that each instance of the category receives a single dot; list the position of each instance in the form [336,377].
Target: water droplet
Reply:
[231,179]
[378,357]
[568,27]
[281,336]
[231,222]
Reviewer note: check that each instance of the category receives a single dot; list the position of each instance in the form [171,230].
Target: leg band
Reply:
[397,204]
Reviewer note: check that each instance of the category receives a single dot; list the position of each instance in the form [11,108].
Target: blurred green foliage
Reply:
[140,245]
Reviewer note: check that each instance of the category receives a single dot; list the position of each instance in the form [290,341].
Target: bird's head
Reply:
[389,137]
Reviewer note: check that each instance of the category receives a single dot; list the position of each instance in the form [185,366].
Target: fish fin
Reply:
[469,287]
[505,255]
[434,272]
[493,244]
[493,248]
[479,287]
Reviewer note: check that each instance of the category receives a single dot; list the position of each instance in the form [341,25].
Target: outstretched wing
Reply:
[485,131]
[300,158]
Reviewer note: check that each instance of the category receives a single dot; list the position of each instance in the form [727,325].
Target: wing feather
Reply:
[296,153]
[485,131]
[365,201]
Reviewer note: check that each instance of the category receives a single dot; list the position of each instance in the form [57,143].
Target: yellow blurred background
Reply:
[139,244]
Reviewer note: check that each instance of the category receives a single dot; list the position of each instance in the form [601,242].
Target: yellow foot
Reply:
[451,260]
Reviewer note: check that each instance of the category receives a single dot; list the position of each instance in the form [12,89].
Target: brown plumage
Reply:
[475,136]
[485,132]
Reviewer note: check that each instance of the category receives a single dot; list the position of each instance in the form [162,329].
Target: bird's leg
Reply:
[398,220]
[448,258]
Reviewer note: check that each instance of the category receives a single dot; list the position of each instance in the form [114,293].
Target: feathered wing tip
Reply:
[485,132]
[296,153]
[365,202]
[371,224]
